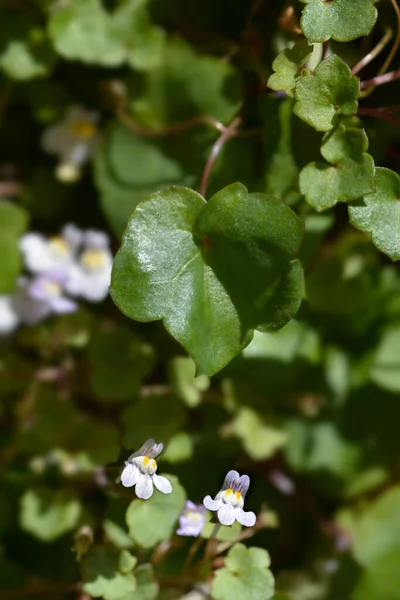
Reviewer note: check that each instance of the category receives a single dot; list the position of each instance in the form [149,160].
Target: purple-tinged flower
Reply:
[140,471]
[229,502]
[192,519]
[90,277]
[42,296]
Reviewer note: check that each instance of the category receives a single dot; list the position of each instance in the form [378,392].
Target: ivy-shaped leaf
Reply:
[331,91]
[184,383]
[147,587]
[259,439]
[48,515]
[213,272]
[385,367]
[107,573]
[25,50]
[245,575]
[379,213]
[341,20]
[287,67]
[153,520]
[84,30]
[348,174]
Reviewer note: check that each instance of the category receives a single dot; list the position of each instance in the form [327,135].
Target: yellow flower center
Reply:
[146,465]
[93,259]
[233,498]
[59,245]
[83,130]
[52,288]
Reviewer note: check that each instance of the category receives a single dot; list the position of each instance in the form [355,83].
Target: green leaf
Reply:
[185,385]
[119,363]
[117,535]
[381,581]
[224,534]
[142,41]
[246,575]
[341,20]
[385,368]
[375,529]
[106,573]
[281,169]
[348,174]
[187,84]
[117,199]
[320,447]
[331,91]
[147,587]
[139,420]
[13,218]
[11,262]
[260,440]
[179,449]
[13,222]
[227,269]
[48,515]
[153,520]
[287,67]
[25,51]
[83,30]
[378,213]
[141,162]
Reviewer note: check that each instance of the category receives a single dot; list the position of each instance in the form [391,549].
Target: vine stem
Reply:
[229,132]
[380,79]
[380,114]
[168,129]
[386,64]
[374,52]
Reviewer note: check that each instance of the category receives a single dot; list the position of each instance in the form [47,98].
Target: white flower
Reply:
[90,278]
[140,470]
[9,319]
[42,296]
[74,140]
[43,254]
[229,501]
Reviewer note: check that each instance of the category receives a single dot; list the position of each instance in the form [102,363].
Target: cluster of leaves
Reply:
[231,139]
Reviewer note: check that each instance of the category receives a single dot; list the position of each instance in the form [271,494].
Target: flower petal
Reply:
[129,475]
[144,486]
[244,483]
[226,514]
[231,480]
[247,519]
[162,484]
[211,504]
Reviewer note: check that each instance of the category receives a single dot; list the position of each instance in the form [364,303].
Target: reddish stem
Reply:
[229,132]
[380,79]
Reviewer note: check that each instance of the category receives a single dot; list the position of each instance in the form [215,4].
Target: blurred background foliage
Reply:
[310,412]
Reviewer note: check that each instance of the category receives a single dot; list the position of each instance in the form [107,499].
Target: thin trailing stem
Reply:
[373,53]
[395,46]
[380,80]
[229,132]
[392,54]
[380,114]
[168,129]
